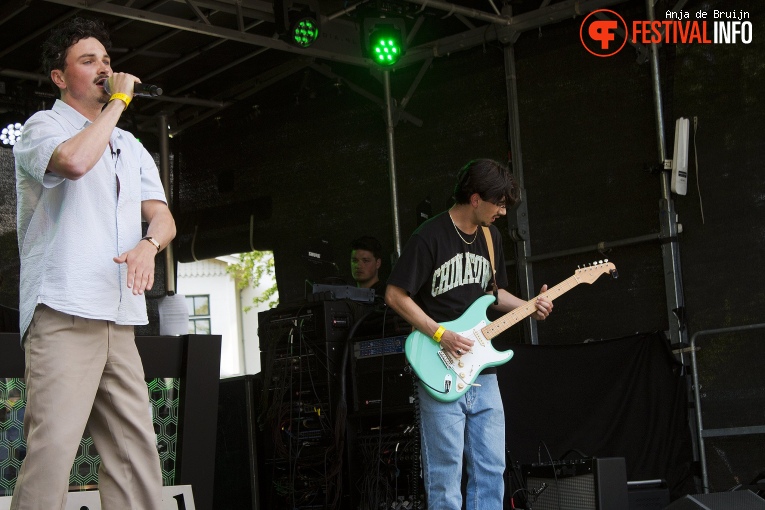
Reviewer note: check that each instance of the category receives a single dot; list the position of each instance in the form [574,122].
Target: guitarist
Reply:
[444,267]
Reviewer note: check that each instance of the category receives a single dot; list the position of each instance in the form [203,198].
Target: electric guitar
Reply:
[447,378]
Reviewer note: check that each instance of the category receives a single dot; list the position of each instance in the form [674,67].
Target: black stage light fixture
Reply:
[297,21]
[385,40]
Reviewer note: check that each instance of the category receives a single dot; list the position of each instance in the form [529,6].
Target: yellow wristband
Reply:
[122,97]
[439,333]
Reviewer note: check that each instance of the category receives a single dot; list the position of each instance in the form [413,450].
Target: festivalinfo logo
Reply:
[604,32]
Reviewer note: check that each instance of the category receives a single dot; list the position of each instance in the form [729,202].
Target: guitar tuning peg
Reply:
[600,262]
[605,260]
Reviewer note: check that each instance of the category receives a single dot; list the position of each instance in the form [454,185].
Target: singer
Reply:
[83,187]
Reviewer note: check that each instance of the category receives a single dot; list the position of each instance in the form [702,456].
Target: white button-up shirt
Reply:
[69,230]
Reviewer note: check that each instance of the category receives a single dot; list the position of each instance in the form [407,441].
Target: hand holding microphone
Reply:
[119,82]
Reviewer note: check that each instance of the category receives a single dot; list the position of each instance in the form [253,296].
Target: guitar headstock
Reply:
[589,274]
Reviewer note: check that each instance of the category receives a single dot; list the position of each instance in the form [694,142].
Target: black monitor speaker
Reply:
[736,500]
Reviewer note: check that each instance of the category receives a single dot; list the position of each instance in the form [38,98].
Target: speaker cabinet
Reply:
[737,500]
[236,453]
[583,484]
[648,495]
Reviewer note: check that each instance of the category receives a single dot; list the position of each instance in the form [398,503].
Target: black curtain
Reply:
[624,397]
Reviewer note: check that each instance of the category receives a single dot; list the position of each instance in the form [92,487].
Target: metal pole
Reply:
[697,393]
[667,216]
[600,247]
[466,11]
[392,164]
[670,249]
[518,221]
[164,171]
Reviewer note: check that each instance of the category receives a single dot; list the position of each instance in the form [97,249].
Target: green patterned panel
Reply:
[164,398]
[13,448]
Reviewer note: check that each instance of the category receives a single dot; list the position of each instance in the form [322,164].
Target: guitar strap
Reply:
[490,246]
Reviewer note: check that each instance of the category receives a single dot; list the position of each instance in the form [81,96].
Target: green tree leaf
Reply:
[250,272]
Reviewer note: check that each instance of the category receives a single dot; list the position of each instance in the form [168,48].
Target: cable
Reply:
[415,471]
[696,158]
[555,474]
[305,468]
[389,475]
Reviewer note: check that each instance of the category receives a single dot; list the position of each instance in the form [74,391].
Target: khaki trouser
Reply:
[84,372]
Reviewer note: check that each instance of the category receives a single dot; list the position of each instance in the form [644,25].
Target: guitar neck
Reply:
[513,317]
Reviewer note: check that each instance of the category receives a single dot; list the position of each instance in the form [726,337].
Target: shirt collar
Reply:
[75,118]
[72,116]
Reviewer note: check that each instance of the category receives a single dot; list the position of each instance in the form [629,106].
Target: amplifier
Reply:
[381,379]
[322,292]
[581,484]
[379,346]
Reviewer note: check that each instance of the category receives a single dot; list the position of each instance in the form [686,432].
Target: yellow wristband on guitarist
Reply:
[122,97]
[439,333]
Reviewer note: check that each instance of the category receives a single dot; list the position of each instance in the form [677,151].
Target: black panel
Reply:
[236,453]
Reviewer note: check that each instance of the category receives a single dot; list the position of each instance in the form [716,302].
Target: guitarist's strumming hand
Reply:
[455,344]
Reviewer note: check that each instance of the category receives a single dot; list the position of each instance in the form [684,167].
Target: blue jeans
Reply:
[473,426]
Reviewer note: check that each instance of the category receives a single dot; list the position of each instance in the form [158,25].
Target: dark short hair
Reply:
[490,179]
[66,35]
[368,243]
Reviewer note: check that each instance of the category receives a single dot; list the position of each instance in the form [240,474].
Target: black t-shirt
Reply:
[443,274]
[379,289]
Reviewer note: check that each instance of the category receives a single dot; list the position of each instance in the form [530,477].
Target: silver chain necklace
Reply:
[475,236]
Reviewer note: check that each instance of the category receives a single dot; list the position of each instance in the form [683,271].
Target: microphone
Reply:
[139,89]
[146,90]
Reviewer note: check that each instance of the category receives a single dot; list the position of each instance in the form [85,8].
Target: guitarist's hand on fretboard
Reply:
[544,305]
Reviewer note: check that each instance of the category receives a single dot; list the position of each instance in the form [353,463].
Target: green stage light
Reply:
[386,45]
[304,32]
[298,22]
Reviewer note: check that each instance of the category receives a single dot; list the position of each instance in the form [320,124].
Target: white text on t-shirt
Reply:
[462,269]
